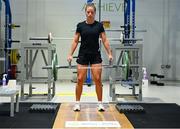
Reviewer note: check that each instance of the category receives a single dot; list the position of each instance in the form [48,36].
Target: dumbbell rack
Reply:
[154,80]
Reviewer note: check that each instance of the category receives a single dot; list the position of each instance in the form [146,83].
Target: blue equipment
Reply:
[8,36]
[129,26]
[0,6]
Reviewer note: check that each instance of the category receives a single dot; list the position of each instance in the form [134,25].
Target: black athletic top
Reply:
[89,37]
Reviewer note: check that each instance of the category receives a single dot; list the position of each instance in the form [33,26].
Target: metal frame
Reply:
[134,51]
[129,5]
[8,36]
[27,63]
[136,73]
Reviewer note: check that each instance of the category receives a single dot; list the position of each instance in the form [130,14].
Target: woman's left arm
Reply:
[105,42]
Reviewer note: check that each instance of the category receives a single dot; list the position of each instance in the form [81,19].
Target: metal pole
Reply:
[99,10]
[0,20]
[0,23]
[8,35]
[133,18]
[1,44]
[127,19]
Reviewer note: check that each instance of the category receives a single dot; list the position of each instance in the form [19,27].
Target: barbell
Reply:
[50,38]
[54,66]
[14,56]
[119,30]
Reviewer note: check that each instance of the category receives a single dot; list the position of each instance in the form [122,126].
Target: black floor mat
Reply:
[26,119]
[157,115]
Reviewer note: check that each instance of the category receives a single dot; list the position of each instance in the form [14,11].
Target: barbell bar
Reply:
[88,67]
[54,66]
[50,38]
[119,30]
[83,67]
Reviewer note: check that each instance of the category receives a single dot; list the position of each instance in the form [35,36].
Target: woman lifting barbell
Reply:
[89,53]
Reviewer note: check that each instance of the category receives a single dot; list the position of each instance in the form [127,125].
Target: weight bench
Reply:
[6,91]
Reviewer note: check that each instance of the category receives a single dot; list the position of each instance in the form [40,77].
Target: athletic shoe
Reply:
[101,107]
[76,107]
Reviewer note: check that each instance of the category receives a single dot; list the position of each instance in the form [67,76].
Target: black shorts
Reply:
[87,59]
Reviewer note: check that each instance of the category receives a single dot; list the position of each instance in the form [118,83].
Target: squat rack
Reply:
[134,56]
[8,37]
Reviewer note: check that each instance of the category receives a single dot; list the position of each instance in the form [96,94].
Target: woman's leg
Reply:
[81,75]
[96,72]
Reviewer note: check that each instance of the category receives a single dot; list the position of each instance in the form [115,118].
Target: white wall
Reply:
[161,42]
[159,17]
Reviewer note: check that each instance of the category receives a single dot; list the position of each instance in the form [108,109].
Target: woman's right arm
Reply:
[73,46]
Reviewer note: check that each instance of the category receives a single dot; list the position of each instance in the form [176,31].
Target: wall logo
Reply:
[114,6]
